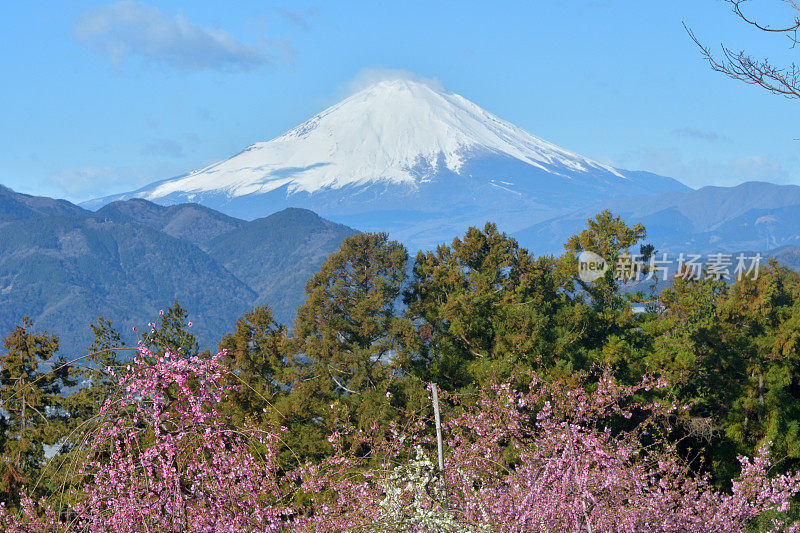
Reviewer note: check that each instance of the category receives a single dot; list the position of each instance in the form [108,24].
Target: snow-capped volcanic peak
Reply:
[408,158]
[401,132]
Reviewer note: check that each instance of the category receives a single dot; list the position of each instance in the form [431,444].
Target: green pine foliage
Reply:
[345,359]
[31,381]
[257,354]
[375,329]
[172,333]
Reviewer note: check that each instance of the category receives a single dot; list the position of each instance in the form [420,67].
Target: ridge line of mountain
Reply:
[64,266]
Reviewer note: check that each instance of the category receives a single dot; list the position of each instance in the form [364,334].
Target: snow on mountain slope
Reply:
[405,157]
[395,131]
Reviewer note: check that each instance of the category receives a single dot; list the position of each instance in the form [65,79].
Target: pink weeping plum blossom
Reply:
[164,458]
[539,460]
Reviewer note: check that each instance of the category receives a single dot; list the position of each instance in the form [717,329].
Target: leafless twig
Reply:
[743,67]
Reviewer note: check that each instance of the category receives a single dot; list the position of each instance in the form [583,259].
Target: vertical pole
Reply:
[439,446]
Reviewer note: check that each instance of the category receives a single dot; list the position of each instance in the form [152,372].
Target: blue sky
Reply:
[105,97]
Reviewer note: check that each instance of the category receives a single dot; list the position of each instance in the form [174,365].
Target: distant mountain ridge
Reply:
[190,222]
[404,157]
[752,216]
[64,266]
[788,255]
[18,206]
[305,241]
[64,272]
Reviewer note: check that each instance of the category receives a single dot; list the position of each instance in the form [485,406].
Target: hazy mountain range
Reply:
[65,266]
[753,216]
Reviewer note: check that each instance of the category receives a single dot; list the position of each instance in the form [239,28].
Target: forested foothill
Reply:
[565,404]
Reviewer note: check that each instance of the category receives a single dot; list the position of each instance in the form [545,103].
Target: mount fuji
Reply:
[405,157]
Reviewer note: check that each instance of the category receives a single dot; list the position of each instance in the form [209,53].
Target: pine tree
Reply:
[96,383]
[611,238]
[171,333]
[765,313]
[344,343]
[483,309]
[344,327]
[257,357]
[31,379]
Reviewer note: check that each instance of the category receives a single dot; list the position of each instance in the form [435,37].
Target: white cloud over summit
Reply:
[372,75]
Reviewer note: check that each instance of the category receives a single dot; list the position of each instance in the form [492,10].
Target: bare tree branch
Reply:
[741,66]
[737,8]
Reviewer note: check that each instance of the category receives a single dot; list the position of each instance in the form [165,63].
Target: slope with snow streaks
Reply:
[398,132]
